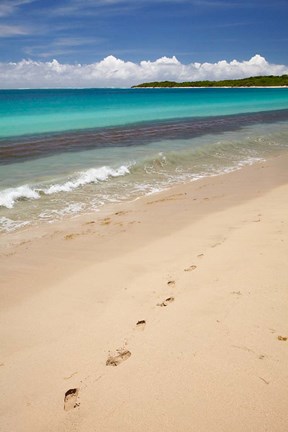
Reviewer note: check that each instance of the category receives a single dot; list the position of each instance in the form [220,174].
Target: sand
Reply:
[169,313]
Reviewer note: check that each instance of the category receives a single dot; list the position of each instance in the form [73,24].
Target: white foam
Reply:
[9,225]
[71,209]
[93,175]
[8,197]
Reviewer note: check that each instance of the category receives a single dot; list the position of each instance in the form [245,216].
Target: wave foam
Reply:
[8,225]
[8,197]
[71,209]
[93,175]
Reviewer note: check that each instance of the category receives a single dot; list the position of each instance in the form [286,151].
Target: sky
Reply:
[124,42]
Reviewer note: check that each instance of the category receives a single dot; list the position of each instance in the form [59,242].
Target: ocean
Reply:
[73,151]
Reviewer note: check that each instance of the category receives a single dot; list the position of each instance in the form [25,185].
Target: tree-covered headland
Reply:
[257,81]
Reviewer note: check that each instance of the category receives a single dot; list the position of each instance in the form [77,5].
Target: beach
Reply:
[165,313]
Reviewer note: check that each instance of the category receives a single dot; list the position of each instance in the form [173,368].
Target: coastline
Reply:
[209,360]
[220,87]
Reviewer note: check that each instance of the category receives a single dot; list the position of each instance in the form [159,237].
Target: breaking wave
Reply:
[8,197]
[92,175]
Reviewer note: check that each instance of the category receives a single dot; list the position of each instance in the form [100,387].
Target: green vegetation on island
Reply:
[256,81]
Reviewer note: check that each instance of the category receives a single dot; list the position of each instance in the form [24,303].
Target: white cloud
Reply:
[8,7]
[79,7]
[114,72]
[60,46]
[76,41]
[7,30]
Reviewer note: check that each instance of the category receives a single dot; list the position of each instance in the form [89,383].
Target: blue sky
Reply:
[103,43]
[86,31]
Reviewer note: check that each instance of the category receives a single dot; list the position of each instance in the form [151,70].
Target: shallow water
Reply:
[117,145]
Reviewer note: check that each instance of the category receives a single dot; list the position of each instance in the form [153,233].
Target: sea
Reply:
[67,152]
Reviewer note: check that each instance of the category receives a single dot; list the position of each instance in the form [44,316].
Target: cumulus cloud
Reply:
[114,72]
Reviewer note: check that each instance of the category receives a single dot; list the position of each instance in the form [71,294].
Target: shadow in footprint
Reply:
[140,325]
[70,399]
[166,302]
[119,358]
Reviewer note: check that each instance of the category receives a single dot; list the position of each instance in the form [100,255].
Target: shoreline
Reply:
[28,233]
[113,220]
[210,284]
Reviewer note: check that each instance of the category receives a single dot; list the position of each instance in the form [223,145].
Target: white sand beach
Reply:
[168,313]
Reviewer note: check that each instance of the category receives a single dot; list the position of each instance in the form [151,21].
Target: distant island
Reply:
[256,81]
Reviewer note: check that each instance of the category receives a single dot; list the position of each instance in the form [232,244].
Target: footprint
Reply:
[282,338]
[106,221]
[216,244]
[192,267]
[121,213]
[141,325]
[166,302]
[119,358]
[171,283]
[70,399]
[71,236]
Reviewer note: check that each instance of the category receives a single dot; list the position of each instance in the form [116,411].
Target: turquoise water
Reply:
[37,111]
[67,152]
